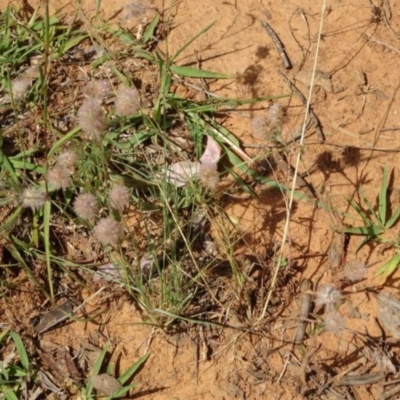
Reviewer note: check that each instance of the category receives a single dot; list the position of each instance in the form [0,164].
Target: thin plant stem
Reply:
[298,159]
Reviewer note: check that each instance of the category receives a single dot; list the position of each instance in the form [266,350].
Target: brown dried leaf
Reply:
[106,384]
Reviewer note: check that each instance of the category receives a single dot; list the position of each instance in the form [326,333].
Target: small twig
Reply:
[300,181]
[304,310]
[305,361]
[373,39]
[390,128]
[387,394]
[367,379]
[316,122]
[278,44]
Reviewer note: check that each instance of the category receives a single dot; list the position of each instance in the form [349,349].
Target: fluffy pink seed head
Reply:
[355,271]
[86,206]
[97,89]
[208,175]
[260,127]
[119,197]
[92,119]
[108,231]
[68,159]
[275,115]
[58,177]
[33,198]
[127,101]
[20,87]
[328,296]
[333,322]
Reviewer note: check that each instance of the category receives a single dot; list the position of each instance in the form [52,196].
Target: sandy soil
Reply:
[359,53]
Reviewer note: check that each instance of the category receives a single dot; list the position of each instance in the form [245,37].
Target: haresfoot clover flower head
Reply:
[127,101]
[86,206]
[58,177]
[33,198]
[328,296]
[108,231]
[209,176]
[119,197]
[92,119]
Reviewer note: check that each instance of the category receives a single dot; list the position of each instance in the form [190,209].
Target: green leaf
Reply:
[364,230]
[390,266]
[197,73]
[23,356]
[122,391]
[393,219]
[46,232]
[10,394]
[382,205]
[149,32]
[191,41]
[60,142]
[96,369]
[130,372]
[358,210]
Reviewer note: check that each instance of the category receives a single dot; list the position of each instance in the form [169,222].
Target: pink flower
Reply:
[127,101]
[97,89]
[86,206]
[67,159]
[208,175]
[58,177]
[260,127]
[108,231]
[333,322]
[328,296]
[92,119]
[119,197]
[355,271]
[33,198]
[275,116]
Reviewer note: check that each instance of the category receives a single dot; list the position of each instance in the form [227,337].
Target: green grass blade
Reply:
[96,369]
[389,267]
[382,205]
[61,142]
[130,372]
[149,32]
[46,232]
[191,41]
[360,212]
[23,356]
[364,230]
[374,218]
[10,394]
[197,73]
[122,391]
[393,219]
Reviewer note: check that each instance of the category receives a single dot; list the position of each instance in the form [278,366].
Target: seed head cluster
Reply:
[328,296]
[92,119]
[59,177]
[333,322]
[209,176]
[86,206]
[33,198]
[127,101]
[267,125]
[97,89]
[108,231]
[119,197]
[355,271]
